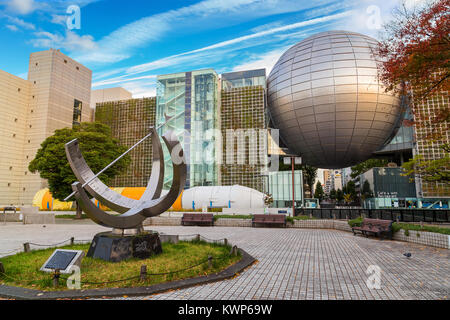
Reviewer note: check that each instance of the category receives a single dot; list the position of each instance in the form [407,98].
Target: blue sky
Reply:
[128,43]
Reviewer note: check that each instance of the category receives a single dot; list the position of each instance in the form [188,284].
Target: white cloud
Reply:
[141,89]
[59,19]
[12,27]
[21,6]
[121,43]
[121,80]
[17,22]
[71,41]
[260,61]
[183,56]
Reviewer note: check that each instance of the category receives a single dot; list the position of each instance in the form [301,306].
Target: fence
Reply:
[402,215]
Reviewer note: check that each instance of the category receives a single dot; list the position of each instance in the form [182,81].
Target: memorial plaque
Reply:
[62,260]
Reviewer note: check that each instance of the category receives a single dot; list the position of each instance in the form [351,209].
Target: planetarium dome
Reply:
[325,98]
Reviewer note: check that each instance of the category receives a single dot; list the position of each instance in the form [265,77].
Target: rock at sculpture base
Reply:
[114,248]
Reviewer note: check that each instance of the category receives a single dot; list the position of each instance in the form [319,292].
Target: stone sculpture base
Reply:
[113,247]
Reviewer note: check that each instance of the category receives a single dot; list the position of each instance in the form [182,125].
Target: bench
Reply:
[269,219]
[378,227]
[9,209]
[199,219]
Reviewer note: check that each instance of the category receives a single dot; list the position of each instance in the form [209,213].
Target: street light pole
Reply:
[293,187]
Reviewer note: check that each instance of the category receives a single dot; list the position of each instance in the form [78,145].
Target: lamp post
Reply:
[294,160]
[293,186]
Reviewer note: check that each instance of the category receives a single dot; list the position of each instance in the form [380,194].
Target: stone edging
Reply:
[30,294]
[425,238]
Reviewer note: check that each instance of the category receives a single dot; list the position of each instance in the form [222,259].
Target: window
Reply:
[77,107]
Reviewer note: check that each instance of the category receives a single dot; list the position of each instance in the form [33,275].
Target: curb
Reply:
[30,294]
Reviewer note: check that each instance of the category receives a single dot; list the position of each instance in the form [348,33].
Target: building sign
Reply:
[387,194]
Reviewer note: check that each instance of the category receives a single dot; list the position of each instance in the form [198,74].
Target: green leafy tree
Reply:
[366,165]
[333,194]
[350,189]
[318,193]
[309,177]
[437,170]
[366,191]
[98,147]
[339,195]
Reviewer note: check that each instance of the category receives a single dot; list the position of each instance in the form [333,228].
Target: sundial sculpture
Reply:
[119,244]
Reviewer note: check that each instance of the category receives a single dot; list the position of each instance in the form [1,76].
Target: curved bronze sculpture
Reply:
[133,212]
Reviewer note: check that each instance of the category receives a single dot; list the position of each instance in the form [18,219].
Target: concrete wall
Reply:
[14,107]
[31,111]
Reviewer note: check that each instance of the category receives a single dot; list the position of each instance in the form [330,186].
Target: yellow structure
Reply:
[44,200]
[56,95]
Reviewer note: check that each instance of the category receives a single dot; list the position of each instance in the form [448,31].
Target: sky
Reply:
[129,43]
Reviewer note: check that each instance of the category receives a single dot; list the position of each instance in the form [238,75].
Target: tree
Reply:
[339,195]
[347,198]
[349,191]
[437,170]
[415,50]
[350,188]
[366,191]
[333,194]
[309,176]
[99,149]
[415,55]
[362,167]
[318,193]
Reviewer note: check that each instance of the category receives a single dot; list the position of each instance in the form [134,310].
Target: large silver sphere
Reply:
[325,97]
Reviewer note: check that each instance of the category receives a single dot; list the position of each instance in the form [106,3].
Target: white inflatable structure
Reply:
[222,196]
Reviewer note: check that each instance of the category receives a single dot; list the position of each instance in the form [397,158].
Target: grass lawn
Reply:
[22,269]
[70,216]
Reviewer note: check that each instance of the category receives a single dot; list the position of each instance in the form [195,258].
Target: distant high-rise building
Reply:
[56,95]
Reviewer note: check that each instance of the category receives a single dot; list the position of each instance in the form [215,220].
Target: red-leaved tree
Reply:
[415,50]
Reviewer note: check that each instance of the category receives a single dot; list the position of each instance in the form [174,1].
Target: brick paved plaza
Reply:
[292,263]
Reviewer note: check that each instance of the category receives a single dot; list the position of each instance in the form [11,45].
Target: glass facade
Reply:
[280,187]
[404,138]
[187,104]
[241,79]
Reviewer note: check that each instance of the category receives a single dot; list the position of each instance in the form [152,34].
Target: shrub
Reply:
[416,227]
[355,222]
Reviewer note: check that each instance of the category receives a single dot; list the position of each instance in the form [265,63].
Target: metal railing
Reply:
[401,215]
